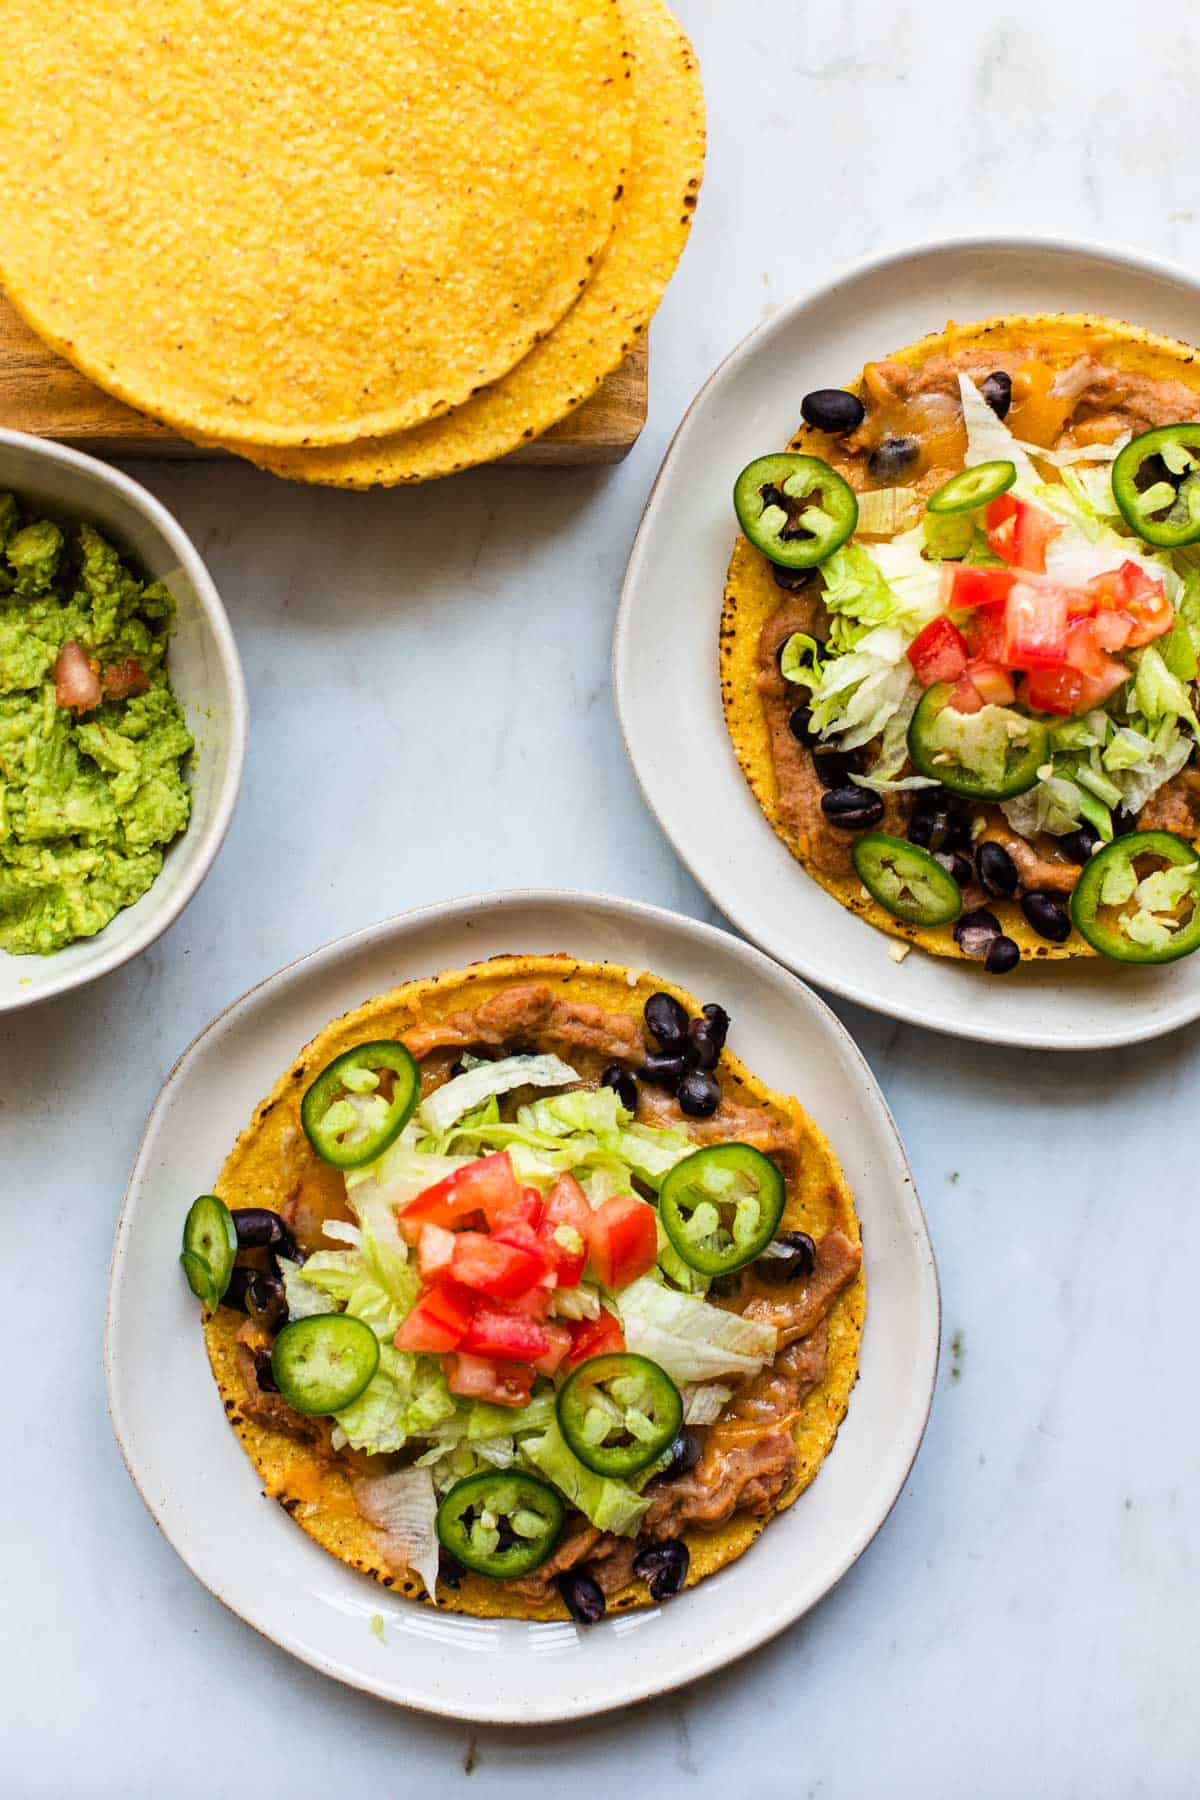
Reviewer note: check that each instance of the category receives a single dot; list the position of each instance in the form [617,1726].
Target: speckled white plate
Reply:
[201,1490]
[665,648]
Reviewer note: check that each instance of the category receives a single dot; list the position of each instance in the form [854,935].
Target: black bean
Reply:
[686,1452]
[893,458]
[956,866]
[975,931]
[698,1094]
[1077,846]
[792,580]
[835,767]
[1048,916]
[996,389]
[1123,822]
[1002,955]
[264,1374]
[706,1036]
[664,1071]
[583,1597]
[258,1228]
[623,1084]
[663,1568]
[832,409]
[666,1021]
[800,725]
[997,871]
[852,808]
[725,1287]
[450,1570]
[801,1259]
[266,1301]
[235,1293]
[718,1020]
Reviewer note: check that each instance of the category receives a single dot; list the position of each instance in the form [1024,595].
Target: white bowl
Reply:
[205,672]
[665,646]
[190,1468]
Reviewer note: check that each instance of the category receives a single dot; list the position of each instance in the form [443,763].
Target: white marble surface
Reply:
[431,714]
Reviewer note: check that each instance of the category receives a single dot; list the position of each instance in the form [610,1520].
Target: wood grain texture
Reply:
[42,394]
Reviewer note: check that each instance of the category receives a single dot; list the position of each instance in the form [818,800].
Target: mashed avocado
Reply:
[89,794]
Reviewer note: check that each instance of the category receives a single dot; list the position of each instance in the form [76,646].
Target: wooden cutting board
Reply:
[41,393]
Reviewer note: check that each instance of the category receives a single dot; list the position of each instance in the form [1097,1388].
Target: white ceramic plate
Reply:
[205,673]
[665,648]
[202,1491]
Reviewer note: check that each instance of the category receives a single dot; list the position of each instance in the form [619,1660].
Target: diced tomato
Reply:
[966,697]
[439,1320]
[1019,532]
[491,1266]
[535,1304]
[503,1383]
[964,586]
[622,1240]
[939,652]
[527,1210]
[560,1343]
[486,1185]
[1083,651]
[76,682]
[1130,592]
[435,1247]
[506,1335]
[984,629]
[566,1207]
[124,679]
[1111,630]
[992,683]
[595,1337]
[1066,690]
[1035,627]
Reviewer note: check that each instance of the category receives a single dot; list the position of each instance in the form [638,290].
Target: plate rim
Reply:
[1144,1028]
[929,1297]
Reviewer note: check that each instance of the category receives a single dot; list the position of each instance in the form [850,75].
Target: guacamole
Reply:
[92,739]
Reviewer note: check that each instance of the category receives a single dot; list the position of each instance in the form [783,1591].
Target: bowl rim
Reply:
[715,1657]
[201,849]
[1149,1025]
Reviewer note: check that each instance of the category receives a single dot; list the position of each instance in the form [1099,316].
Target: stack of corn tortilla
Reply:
[359,242]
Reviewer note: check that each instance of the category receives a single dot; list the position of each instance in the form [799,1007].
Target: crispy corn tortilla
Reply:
[262,1169]
[285,223]
[650,229]
[751,597]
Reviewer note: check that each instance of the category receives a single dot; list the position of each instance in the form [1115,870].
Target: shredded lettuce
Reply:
[703,1401]
[467,1092]
[687,1337]
[610,1505]
[404,1507]
[988,438]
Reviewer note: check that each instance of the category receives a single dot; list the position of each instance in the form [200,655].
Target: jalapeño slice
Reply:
[720,1206]
[500,1523]
[909,882]
[795,509]
[347,1115]
[322,1363]
[618,1412]
[1135,912]
[972,488]
[990,755]
[1156,484]
[209,1249]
